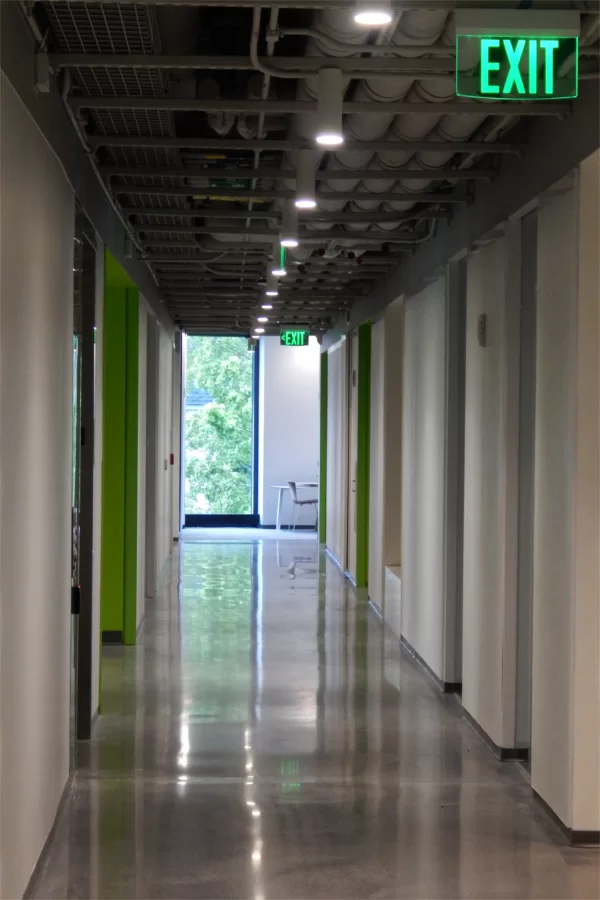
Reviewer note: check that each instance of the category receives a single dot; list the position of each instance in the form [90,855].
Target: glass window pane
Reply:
[218,427]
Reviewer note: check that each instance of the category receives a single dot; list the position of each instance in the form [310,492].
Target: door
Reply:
[75,503]
[352,452]
[527,385]
[220,412]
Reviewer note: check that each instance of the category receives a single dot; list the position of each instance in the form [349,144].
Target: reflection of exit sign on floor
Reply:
[516,68]
[295,337]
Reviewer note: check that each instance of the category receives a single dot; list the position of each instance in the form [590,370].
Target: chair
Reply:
[299,504]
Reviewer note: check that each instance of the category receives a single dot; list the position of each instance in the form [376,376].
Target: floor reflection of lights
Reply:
[256,853]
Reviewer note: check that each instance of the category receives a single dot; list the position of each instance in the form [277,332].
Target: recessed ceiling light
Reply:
[272,293]
[267,306]
[330,140]
[279,273]
[305,203]
[258,331]
[375,18]
[329,131]
[289,243]
[262,319]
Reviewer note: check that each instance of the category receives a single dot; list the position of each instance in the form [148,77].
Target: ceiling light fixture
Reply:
[306,164]
[257,333]
[289,227]
[263,319]
[267,306]
[271,287]
[329,108]
[373,13]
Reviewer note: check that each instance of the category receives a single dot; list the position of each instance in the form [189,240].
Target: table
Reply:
[285,487]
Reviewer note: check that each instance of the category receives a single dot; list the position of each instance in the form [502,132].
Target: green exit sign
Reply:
[295,337]
[516,68]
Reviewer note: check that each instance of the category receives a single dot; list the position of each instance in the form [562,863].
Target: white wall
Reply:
[288,424]
[36,347]
[566,660]
[377,466]
[394,365]
[385,498]
[141,490]
[490,510]
[423,474]
[337,452]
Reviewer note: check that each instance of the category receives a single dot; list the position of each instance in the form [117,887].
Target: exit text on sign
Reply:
[516,68]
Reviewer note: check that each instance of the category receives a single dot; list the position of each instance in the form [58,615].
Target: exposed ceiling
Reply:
[195,114]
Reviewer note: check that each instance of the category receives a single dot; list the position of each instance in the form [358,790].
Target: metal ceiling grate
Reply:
[81,27]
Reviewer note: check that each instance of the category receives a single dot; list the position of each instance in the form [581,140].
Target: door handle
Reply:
[75,600]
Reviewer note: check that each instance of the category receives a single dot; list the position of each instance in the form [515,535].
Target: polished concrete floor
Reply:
[267,740]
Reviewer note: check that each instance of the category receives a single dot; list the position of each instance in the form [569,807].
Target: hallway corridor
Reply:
[267,740]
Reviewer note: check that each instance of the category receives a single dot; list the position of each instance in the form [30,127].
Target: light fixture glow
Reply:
[256,813]
[267,306]
[279,273]
[329,131]
[263,319]
[257,331]
[306,164]
[374,18]
[272,293]
[289,227]
[373,13]
[330,140]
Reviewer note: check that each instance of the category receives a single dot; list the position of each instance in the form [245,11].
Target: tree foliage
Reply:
[219,435]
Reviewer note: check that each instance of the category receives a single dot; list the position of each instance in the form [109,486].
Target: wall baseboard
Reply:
[112,637]
[376,609]
[446,687]
[45,851]
[335,560]
[573,837]
[501,753]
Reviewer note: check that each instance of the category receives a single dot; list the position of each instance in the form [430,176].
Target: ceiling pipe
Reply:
[282,66]
[373,49]
[449,174]
[240,214]
[241,194]
[101,140]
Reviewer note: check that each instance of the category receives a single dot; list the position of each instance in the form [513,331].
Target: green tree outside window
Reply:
[218,426]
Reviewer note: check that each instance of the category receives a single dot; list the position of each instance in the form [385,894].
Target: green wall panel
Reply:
[113,462]
[363,455]
[119,455]
[323,452]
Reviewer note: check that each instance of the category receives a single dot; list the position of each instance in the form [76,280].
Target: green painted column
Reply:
[323,453]
[118,567]
[363,455]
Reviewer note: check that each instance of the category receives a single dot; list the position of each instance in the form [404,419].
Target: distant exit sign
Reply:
[295,337]
[516,68]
